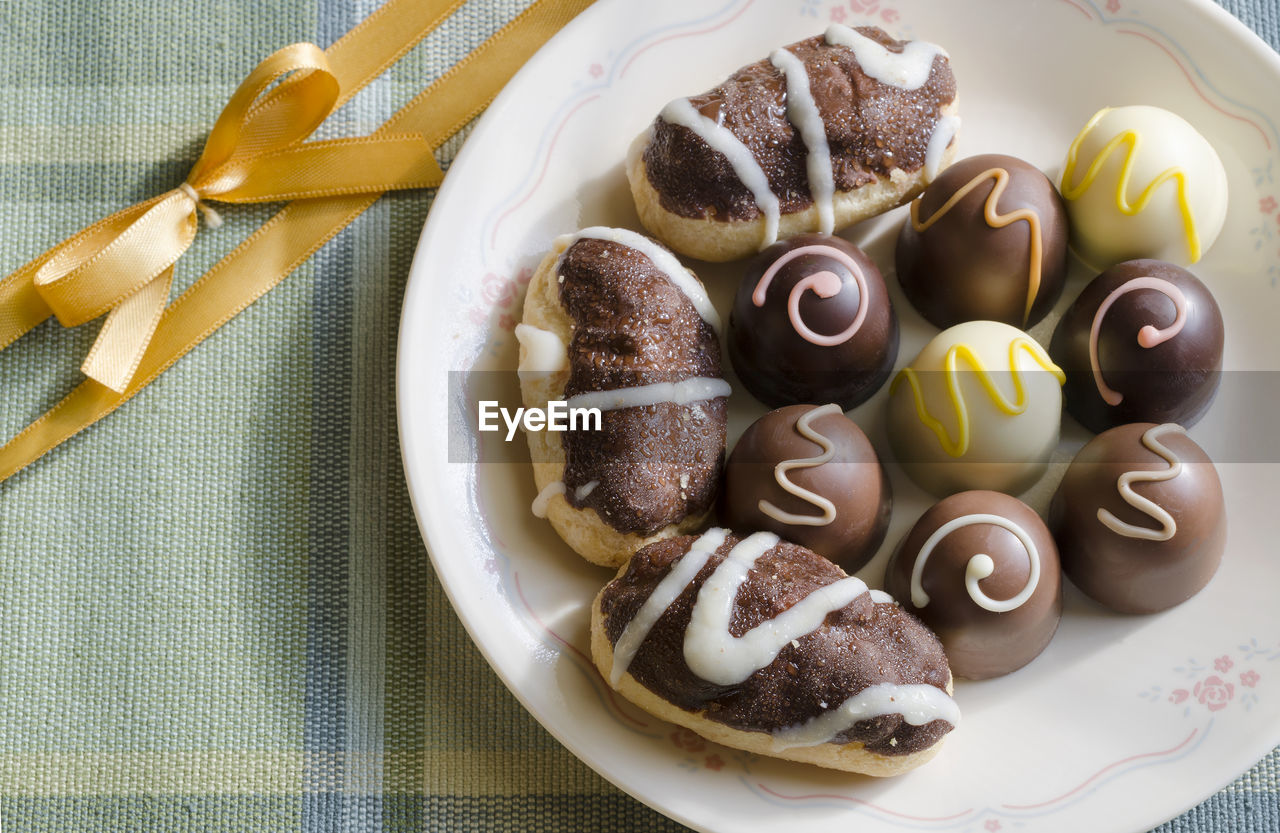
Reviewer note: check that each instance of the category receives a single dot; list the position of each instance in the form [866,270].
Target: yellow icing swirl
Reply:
[1131,139]
[950,366]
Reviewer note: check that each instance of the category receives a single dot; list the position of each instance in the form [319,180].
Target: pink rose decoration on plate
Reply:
[1213,693]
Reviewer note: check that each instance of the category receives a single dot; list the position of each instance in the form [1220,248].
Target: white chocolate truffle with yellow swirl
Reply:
[978,408]
[1140,182]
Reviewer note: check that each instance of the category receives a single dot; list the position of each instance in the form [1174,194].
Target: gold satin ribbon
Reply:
[253,155]
[123,265]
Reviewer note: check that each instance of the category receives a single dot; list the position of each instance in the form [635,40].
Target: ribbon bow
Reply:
[123,265]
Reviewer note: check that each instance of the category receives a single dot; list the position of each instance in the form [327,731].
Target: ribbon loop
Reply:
[251,123]
[109,261]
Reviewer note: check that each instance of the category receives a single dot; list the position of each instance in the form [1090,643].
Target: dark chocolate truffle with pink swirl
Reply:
[810,475]
[986,241]
[981,569]
[1142,343]
[812,322]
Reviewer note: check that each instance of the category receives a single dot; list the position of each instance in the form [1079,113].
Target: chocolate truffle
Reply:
[1140,518]
[1140,181]
[810,475]
[812,322]
[986,240]
[979,408]
[1142,343]
[981,569]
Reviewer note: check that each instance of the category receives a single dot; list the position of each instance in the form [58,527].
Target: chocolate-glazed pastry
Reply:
[812,322]
[614,322]
[986,240]
[810,475]
[766,646]
[823,133]
[981,569]
[1142,343]
[1140,518]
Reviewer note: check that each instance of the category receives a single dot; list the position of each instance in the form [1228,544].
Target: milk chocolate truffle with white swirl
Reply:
[812,322]
[821,134]
[986,240]
[1142,343]
[614,322]
[978,408]
[810,475]
[763,645]
[980,568]
[1140,518]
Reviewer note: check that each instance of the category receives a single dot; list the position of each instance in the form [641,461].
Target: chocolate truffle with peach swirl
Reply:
[986,240]
[1140,518]
[1142,343]
[812,322]
[981,569]
[810,475]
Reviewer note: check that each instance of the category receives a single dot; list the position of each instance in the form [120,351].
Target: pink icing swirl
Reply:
[1149,336]
[824,283]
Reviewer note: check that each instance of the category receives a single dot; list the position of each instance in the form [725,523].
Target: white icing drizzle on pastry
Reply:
[744,163]
[804,426]
[907,70]
[672,585]
[684,392]
[661,258]
[943,132]
[980,565]
[543,500]
[1148,336]
[714,654]
[882,598]
[718,657]
[544,352]
[1168,527]
[802,111]
[917,703]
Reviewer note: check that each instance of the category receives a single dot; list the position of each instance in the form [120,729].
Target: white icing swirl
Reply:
[543,500]
[720,138]
[672,585]
[714,654]
[980,565]
[1168,527]
[543,352]
[802,111]
[661,258]
[804,425]
[684,392]
[917,703]
[907,70]
[943,132]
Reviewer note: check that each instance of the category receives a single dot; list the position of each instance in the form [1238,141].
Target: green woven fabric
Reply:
[216,612]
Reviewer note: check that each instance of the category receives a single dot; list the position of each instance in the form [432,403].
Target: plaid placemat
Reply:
[216,612]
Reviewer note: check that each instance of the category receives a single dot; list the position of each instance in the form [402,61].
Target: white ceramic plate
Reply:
[1124,721]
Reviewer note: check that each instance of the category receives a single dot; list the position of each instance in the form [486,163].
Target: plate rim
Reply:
[426,516]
